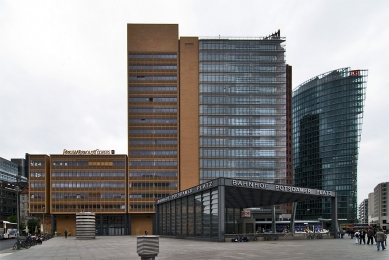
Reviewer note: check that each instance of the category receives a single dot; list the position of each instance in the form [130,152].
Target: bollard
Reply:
[85,225]
[148,247]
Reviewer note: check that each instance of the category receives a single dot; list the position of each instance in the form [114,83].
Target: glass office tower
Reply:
[242,100]
[327,122]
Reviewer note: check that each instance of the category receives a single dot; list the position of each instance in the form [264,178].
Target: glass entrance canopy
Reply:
[200,212]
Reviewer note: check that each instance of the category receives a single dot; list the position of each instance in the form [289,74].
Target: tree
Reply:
[12,219]
[31,224]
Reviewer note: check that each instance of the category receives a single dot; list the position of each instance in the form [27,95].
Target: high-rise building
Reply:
[12,171]
[11,180]
[327,124]
[203,108]
[363,209]
[198,109]
[381,198]
[242,106]
[372,218]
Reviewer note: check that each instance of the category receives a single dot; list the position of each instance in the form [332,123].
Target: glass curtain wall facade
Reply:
[152,128]
[192,216]
[327,123]
[242,109]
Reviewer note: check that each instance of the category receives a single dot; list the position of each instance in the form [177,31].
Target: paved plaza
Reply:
[124,247]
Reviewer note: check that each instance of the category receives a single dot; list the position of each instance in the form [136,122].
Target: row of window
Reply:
[37,184]
[153,99]
[37,195]
[254,120]
[153,77]
[237,153]
[252,175]
[153,142]
[82,184]
[77,163]
[135,163]
[231,45]
[153,184]
[238,100]
[96,207]
[37,163]
[142,206]
[220,110]
[153,174]
[154,110]
[238,78]
[237,132]
[152,121]
[239,89]
[152,67]
[153,131]
[86,173]
[231,163]
[96,196]
[226,142]
[152,153]
[148,195]
[151,89]
[152,56]
[327,128]
[10,177]
[36,174]
[348,98]
[243,57]
[227,67]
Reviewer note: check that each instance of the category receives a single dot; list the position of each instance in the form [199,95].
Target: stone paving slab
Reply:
[124,247]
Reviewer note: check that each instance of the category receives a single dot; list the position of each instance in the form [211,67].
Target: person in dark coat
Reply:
[362,236]
[66,233]
[370,235]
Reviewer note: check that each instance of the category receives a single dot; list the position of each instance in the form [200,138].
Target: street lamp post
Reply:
[17,189]
[43,218]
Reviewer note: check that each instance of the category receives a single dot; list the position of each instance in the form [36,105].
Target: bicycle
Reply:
[310,236]
[21,244]
[271,237]
[253,238]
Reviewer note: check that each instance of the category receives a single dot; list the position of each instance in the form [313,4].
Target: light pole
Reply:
[17,189]
[43,217]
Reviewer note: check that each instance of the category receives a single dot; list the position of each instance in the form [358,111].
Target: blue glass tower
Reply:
[327,113]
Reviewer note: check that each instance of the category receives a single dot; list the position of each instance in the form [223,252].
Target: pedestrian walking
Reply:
[380,238]
[357,237]
[66,233]
[370,235]
[362,236]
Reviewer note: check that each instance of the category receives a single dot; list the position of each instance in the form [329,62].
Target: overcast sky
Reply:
[63,64]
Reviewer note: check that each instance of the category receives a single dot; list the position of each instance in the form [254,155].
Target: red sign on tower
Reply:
[354,73]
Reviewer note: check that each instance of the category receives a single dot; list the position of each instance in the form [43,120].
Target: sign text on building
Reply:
[88,152]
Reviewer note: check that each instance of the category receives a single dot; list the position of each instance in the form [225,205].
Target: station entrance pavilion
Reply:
[205,211]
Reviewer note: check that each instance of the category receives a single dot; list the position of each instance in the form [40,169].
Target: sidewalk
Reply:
[124,247]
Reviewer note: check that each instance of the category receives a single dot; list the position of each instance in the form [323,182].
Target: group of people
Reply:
[379,237]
